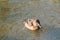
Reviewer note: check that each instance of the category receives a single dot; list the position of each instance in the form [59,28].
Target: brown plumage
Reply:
[32,24]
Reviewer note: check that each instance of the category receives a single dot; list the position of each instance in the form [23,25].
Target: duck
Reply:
[32,24]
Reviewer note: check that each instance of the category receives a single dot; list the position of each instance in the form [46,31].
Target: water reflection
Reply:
[4,10]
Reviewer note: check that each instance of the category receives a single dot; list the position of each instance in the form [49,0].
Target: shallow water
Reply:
[14,12]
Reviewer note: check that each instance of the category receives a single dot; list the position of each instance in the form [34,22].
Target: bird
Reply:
[32,24]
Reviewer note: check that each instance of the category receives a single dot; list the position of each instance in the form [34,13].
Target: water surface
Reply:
[13,13]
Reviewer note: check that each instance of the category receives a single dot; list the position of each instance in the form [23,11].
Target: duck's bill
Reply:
[40,27]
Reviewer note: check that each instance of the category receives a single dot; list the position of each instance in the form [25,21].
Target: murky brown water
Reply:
[13,13]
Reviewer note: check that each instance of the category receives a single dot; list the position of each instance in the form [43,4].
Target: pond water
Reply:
[14,12]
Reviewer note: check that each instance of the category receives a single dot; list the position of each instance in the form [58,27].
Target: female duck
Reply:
[32,24]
